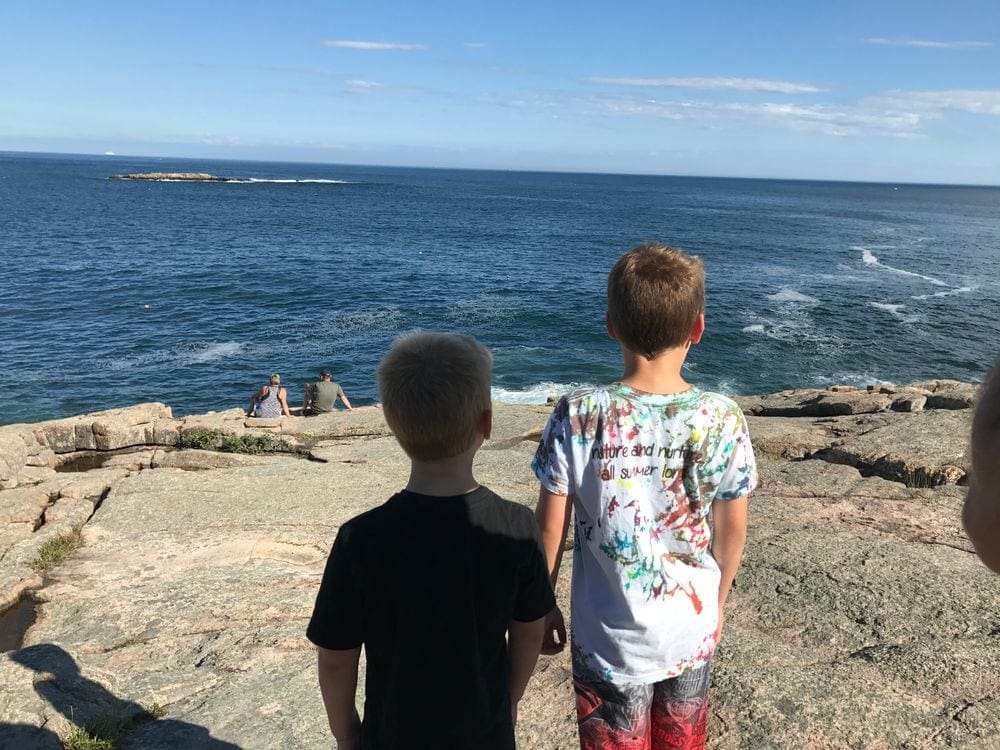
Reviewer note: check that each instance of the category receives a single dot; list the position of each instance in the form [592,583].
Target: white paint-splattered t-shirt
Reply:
[643,470]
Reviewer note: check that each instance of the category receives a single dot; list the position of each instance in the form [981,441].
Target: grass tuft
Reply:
[213,440]
[55,550]
[204,439]
[106,732]
[80,739]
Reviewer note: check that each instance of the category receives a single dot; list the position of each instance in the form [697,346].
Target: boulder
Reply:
[71,510]
[816,403]
[23,505]
[909,400]
[922,449]
[93,483]
[779,437]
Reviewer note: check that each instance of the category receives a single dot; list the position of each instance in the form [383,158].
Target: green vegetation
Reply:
[208,440]
[254,444]
[80,739]
[55,550]
[107,732]
[214,440]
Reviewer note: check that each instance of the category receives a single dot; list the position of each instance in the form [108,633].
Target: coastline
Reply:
[198,567]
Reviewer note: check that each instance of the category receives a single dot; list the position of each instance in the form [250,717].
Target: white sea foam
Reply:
[484,308]
[755,328]
[258,180]
[895,310]
[948,293]
[788,294]
[293,182]
[535,394]
[870,259]
[194,353]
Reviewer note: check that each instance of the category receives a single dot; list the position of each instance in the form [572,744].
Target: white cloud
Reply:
[902,114]
[371,46]
[357,83]
[730,84]
[830,120]
[977,101]
[926,43]
[474,45]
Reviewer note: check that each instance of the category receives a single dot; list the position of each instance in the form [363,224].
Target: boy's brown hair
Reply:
[435,388]
[655,294]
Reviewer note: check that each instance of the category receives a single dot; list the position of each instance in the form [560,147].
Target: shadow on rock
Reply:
[95,710]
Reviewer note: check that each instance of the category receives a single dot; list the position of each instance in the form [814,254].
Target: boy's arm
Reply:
[729,536]
[981,513]
[553,513]
[524,643]
[338,682]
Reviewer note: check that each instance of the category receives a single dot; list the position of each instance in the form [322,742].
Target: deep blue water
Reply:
[809,283]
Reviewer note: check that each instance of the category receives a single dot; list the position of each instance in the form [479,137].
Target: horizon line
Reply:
[116,155]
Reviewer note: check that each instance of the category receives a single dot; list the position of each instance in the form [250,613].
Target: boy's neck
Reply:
[448,477]
[661,375]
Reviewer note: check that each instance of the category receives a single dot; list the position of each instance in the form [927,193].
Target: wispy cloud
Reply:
[903,114]
[926,43]
[357,84]
[474,45]
[371,46]
[729,84]
[976,101]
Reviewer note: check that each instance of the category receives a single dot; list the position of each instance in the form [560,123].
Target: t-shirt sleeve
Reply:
[535,598]
[551,462]
[340,393]
[337,617]
[729,468]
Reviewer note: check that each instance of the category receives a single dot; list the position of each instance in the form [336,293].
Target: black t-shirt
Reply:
[428,585]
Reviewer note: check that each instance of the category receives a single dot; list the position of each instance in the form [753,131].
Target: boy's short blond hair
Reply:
[655,295]
[435,388]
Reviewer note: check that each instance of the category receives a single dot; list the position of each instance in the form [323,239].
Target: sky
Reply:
[884,90]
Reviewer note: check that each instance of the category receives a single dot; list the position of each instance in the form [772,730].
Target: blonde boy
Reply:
[643,461]
[445,584]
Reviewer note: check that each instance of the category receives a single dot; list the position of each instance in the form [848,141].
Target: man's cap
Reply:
[325,374]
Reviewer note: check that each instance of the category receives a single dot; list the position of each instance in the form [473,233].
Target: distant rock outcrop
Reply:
[173,177]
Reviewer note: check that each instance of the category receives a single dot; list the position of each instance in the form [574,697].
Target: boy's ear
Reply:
[486,424]
[698,329]
[612,333]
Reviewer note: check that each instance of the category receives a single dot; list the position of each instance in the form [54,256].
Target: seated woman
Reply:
[271,400]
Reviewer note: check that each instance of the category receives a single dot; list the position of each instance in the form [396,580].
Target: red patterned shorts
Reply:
[669,714]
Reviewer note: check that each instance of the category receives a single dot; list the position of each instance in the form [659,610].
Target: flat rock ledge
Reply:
[182,615]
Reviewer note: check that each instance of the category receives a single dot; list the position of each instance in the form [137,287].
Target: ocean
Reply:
[117,292]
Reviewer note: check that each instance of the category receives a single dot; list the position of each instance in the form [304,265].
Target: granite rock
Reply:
[193,588]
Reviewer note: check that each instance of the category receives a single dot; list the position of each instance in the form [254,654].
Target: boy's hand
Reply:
[554,640]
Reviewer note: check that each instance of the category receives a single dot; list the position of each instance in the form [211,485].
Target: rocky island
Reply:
[157,575]
[175,177]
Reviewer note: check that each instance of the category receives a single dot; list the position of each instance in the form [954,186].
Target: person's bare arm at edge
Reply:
[338,683]
[553,513]
[283,400]
[729,536]
[524,643]
[347,404]
[981,512]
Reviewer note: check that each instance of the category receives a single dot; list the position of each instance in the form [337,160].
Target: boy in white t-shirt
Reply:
[643,461]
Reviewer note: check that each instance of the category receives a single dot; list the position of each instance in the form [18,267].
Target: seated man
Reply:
[322,395]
